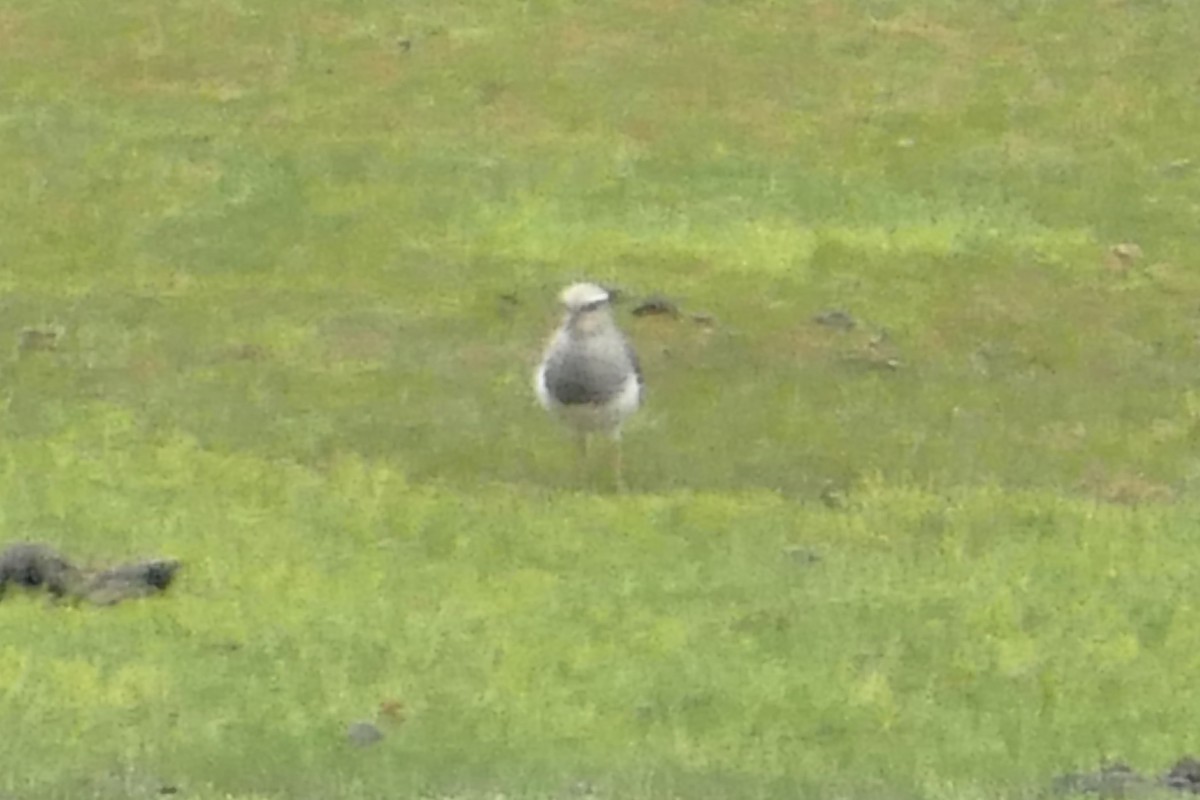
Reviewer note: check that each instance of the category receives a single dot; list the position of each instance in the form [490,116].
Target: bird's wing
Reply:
[634,362]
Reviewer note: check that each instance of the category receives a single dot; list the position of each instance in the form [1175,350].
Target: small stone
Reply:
[391,710]
[833,495]
[704,320]
[363,734]
[1124,255]
[880,352]
[656,305]
[39,339]
[802,556]
[836,319]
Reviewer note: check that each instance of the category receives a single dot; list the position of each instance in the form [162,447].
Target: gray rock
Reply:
[1111,780]
[1184,776]
[139,579]
[363,734]
[837,319]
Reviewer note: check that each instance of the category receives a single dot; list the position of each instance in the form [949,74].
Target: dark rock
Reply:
[656,305]
[1184,776]
[36,566]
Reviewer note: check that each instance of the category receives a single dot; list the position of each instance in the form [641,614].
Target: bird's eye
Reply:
[595,305]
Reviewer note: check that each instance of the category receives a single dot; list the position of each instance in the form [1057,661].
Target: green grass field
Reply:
[304,257]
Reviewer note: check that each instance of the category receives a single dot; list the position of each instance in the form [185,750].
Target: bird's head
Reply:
[588,306]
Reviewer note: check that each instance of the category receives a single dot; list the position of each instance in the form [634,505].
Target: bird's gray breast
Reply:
[588,374]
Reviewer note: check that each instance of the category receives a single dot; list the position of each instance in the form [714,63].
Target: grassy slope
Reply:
[278,241]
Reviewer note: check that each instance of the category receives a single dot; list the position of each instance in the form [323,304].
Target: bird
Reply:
[590,378]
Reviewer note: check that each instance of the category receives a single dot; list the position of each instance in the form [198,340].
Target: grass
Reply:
[305,256]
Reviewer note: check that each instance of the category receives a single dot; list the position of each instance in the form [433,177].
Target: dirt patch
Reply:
[1125,488]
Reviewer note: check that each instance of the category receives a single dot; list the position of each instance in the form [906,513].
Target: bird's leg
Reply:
[581,439]
[618,476]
